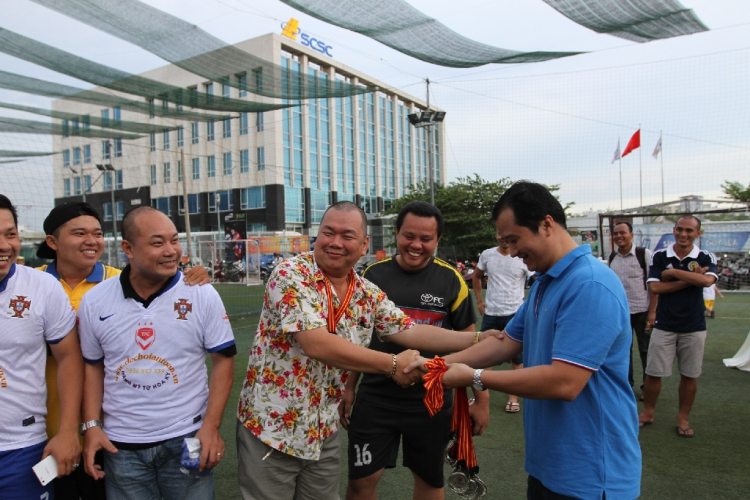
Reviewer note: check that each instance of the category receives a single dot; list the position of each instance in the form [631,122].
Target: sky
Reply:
[556,122]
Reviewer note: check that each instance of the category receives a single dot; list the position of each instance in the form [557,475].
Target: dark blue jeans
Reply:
[537,491]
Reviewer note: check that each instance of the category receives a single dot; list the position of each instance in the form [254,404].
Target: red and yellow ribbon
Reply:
[334,313]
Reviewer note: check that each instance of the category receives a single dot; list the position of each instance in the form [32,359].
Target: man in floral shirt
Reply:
[317,320]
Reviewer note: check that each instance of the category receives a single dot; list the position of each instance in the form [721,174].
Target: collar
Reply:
[129,292]
[562,264]
[4,281]
[693,253]
[631,252]
[96,275]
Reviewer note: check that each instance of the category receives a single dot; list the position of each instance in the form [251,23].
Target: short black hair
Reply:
[617,223]
[348,206]
[7,205]
[128,221]
[531,203]
[696,219]
[421,209]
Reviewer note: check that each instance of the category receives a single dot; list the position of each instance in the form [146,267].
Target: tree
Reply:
[735,191]
[466,204]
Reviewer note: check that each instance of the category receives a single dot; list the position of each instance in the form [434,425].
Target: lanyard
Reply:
[334,315]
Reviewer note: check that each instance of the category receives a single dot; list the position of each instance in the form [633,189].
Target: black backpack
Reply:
[640,254]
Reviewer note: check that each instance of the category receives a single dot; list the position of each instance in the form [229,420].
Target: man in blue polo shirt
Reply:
[678,274]
[580,420]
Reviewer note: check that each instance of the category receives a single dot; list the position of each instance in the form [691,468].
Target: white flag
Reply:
[657,149]
[617,152]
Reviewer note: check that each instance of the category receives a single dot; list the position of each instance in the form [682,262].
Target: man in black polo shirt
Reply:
[431,292]
[678,275]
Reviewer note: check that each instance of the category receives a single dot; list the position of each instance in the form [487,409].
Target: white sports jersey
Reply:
[155,378]
[506,279]
[35,310]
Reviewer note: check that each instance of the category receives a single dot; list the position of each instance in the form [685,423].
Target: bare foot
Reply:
[644,419]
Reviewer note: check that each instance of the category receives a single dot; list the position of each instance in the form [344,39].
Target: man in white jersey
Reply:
[36,311]
[507,277]
[144,337]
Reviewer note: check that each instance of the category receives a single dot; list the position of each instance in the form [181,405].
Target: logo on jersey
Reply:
[18,306]
[429,300]
[693,266]
[3,382]
[145,336]
[183,307]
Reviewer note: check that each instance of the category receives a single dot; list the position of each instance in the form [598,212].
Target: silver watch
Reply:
[88,425]
[477,384]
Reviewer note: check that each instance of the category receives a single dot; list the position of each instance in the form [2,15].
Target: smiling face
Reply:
[525,244]
[79,243]
[341,242]
[416,241]
[153,247]
[685,232]
[622,236]
[10,243]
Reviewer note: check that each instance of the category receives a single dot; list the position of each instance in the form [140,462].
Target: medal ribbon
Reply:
[461,420]
[335,314]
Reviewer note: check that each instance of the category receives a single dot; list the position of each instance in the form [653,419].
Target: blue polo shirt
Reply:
[681,311]
[578,313]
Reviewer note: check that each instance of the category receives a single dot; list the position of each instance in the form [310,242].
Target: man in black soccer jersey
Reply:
[431,292]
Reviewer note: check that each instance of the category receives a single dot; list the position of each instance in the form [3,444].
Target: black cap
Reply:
[59,216]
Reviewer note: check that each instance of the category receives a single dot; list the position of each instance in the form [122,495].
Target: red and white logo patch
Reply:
[18,306]
[145,336]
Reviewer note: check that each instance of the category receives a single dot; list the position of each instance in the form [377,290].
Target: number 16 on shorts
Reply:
[364,457]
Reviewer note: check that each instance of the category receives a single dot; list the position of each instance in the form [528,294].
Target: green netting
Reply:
[400,26]
[5,153]
[11,161]
[636,20]
[128,126]
[19,126]
[89,71]
[20,83]
[192,49]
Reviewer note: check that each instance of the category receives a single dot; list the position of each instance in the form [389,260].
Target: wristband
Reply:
[393,370]
[476,337]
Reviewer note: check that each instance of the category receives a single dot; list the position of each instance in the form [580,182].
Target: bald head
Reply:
[130,227]
[348,206]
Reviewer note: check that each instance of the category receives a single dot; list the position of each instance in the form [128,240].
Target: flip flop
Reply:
[683,432]
[512,407]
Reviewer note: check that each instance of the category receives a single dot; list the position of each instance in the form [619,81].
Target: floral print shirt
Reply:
[289,400]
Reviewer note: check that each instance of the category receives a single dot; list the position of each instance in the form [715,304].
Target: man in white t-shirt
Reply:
[36,313]
[505,290]
[144,336]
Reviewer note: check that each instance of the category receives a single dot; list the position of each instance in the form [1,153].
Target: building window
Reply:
[243,123]
[116,114]
[87,183]
[167,174]
[227,163]
[76,127]
[209,131]
[166,139]
[164,104]
[259,121]
[65,128]
[105,118]
[227,129]
[193,97]
[258,76]
[163,205]
[87,153]
[211,166]
[209,93]
[180,137]
[86,120]
[254,197]
[256,228]
[77,186]
[151,108]
[66,158]
[107,179]
[66,187]
[153,175]
[225,204]
[225,92]
[120,210]
[76,156]
[179,171]
[152,141]
[294,201]
[196,168]
[118,179]
[242,84]
[107,212]
[319,201]
[118,148]
[194,133]
[194,204]
[244,161]
[105,150]
[260,154]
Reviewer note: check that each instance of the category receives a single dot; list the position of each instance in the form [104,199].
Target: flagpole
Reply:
[640,160]
[661,150]
[619,159]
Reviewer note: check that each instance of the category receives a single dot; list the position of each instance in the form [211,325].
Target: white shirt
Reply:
[36,310]
[506,280]
[155,379]
[709,292]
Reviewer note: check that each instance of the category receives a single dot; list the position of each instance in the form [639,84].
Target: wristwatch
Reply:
[88,425]
[477,384]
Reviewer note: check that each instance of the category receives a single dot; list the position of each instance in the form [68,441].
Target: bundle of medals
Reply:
[463,480]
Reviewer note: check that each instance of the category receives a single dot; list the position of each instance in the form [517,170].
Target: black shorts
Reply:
[375,433]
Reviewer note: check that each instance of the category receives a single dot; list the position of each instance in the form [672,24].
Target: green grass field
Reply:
[713,465]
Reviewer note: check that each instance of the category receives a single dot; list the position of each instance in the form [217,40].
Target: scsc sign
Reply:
[291,30]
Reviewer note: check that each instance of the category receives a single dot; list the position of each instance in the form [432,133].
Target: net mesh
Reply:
[635,20]
[20,126]
[4,153]
[400,26]
[192,49]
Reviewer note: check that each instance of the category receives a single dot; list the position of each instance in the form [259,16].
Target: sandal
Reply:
[512,407]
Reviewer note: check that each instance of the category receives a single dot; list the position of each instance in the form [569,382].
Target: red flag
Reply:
[633,144]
